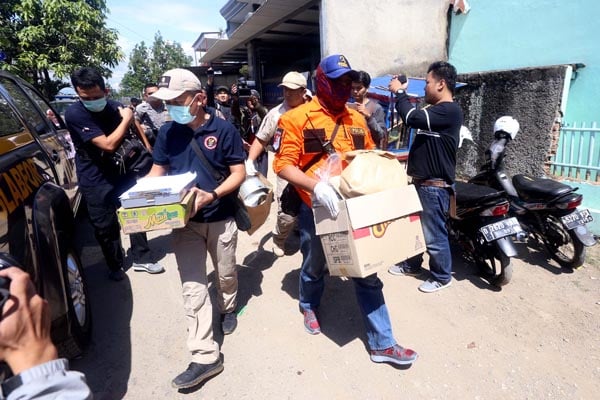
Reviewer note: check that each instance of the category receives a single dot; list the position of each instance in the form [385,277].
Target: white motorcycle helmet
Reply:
[507,124]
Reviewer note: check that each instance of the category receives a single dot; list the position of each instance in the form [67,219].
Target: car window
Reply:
[60,106]
[9,123]
[40,123]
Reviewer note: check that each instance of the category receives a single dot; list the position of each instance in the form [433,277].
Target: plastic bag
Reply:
[331,168]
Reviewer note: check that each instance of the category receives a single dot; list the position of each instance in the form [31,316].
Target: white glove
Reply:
[326,195]
[250,168]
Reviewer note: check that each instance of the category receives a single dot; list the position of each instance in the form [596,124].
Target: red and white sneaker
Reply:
[311,323]
[395,355]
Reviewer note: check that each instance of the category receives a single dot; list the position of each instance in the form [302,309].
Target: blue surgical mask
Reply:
[180,114]
[95,105]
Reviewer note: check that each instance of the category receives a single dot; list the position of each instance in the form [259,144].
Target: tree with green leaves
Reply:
[43,41]
[148,64]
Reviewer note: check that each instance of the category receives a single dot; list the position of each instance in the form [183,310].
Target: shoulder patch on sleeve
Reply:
[276,141]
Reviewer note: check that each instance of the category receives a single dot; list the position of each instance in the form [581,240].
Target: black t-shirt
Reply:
[433,153]
[85,125]
[222,146]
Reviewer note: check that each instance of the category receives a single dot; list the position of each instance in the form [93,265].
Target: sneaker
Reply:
[431,285]
[402,269]
[196,373]
[151,268]
[229,323]
[395,355]
[117,275]
[311,323]
[278,251]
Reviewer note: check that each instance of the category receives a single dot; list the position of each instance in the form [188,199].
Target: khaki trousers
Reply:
[192,244]
[285,223]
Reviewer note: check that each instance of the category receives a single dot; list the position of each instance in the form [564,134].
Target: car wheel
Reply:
[80,317]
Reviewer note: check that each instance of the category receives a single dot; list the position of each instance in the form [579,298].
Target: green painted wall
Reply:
[509,34]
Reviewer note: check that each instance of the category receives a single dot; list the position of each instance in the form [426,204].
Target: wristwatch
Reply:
[214,195]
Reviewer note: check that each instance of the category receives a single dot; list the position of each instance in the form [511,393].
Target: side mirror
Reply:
[465,133]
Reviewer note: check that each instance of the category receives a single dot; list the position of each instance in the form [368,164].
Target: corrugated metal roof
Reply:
[274,23]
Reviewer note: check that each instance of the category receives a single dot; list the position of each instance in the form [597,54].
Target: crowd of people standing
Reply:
[223,137]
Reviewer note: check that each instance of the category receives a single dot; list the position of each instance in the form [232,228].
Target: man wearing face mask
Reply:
[98,126]
[303,130]
[211,230]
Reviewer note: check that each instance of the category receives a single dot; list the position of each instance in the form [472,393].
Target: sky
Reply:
[177,20]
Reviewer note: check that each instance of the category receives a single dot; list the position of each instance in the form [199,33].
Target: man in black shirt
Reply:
[432,164]
[98,126]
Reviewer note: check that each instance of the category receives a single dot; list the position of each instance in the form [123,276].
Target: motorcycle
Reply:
[481,227]
[546,209]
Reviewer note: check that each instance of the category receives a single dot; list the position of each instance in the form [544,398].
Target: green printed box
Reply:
[150,218]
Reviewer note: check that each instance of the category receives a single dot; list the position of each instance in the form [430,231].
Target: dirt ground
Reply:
[537,338]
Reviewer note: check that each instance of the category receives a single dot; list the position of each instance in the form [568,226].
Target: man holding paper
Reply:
[198,141]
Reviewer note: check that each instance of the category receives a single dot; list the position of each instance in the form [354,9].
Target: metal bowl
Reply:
[253,191]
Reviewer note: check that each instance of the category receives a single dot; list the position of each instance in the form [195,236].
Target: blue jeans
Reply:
[435,202]
[369,290]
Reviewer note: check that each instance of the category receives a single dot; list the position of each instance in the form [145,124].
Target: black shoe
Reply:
[196,373]
[229,323]
[117,275]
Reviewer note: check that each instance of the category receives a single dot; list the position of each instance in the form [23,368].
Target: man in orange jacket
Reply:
[310,134]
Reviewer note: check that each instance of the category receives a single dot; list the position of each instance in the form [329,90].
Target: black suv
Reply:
[39,199]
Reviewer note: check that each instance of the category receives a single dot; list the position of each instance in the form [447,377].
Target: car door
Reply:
[56,141]
[24,167]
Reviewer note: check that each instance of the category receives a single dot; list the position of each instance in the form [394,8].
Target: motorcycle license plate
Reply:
[500,229]
[576,218]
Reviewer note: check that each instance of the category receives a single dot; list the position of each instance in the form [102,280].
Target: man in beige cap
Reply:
[211,230]
[294,90]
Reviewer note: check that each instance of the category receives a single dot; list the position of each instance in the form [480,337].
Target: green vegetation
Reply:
[43,41]
[147,64]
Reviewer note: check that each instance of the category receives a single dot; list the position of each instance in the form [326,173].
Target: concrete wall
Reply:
[510,34]
[532,96]
[385,36]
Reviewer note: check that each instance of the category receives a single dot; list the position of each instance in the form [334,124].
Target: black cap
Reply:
[222,89]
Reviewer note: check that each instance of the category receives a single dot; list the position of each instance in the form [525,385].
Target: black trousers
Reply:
[102,202]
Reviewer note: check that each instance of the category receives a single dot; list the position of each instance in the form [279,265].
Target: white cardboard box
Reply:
[371,232]
[158,190]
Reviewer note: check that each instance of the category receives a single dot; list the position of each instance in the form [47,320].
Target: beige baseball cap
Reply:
[293,80]
[175,82]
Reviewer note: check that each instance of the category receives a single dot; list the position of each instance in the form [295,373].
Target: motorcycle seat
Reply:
[470,194]
[531,188]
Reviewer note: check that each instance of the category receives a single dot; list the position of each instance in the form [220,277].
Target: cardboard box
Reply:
[150,218]
[258,215]
[158,190]
[371,232]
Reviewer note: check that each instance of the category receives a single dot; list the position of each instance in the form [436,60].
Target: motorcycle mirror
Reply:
[465,133]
